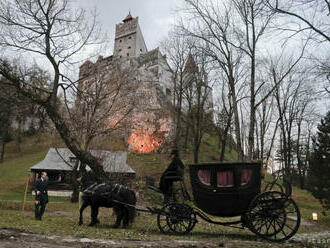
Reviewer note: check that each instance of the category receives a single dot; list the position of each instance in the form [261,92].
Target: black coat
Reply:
[175,166]
[42,186]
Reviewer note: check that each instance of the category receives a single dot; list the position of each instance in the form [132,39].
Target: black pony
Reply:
[116,196]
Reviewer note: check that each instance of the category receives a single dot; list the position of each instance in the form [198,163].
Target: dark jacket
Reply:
[42,186]
[176,166]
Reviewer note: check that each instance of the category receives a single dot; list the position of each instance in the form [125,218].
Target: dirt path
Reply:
[10,238]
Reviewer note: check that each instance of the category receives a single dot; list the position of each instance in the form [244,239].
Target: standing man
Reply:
[41,191]
[174,170]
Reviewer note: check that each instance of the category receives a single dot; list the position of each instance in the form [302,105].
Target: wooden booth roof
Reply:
[62,159]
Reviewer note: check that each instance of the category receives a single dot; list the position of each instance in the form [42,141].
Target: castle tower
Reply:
[129,41]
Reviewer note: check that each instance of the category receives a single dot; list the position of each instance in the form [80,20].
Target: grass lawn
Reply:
[14,173]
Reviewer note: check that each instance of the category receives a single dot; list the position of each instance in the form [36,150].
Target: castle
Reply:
[151,121]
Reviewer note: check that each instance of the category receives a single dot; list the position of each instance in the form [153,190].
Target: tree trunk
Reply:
[75,186]
[299,162]
[196,154]
[224,140]
[2,152]
[19,136]
[252,122]
[178,121]
[223,147]
[239,148]
[73,145]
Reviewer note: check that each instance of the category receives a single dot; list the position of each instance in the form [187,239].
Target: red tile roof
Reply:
[128,17]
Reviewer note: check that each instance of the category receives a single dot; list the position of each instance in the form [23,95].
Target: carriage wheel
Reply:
[273,216]
[176,217]
[285,187]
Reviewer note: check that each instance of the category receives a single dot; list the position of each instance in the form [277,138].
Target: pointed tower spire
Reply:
[128,17]
[191,66]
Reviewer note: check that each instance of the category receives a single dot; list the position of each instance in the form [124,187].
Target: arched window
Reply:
[204,177]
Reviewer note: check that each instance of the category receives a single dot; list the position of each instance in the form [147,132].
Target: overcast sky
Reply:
[155,16]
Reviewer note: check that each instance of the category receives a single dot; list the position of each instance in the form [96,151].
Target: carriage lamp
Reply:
[314,215]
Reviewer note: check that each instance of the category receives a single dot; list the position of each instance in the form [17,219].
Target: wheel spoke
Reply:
[273,216]
[270,224]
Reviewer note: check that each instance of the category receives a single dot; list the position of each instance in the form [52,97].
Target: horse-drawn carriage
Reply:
[221,190]
[232,190]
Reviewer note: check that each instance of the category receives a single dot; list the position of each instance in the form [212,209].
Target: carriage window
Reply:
[225,179]
[204,176]
[245,176]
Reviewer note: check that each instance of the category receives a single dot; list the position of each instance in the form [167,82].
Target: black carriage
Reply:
[229,190]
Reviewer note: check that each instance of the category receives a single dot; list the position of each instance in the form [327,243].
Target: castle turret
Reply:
[129,41]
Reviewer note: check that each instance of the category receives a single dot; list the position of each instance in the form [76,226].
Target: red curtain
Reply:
[225,179]
[204,176]
[245,176]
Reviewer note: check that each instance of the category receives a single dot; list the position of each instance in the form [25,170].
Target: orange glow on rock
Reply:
[142,142]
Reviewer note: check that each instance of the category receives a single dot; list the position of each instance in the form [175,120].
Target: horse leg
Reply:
[85,205]
[119,213]
[94,213]
[125,217]
[97,214]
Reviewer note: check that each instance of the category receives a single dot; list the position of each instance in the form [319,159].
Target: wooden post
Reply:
[79,201]
[25,192]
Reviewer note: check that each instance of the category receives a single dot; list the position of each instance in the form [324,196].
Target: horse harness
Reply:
[116,188]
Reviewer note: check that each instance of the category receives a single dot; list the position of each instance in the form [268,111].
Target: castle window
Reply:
[129,47]
[119,50]
[120,41]
[127,54]
[140,50]
[129,37]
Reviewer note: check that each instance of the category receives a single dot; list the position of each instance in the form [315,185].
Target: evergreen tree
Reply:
[319,172]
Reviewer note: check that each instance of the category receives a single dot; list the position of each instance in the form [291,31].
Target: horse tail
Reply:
[131,209]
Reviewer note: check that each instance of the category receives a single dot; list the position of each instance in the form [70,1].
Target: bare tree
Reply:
[197,95]
[255,21]
[309,18]
[224,120]
[215,27]
[56,32]
[263,126]
[292,99]
[6,109]
[103,103]
[177,48]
